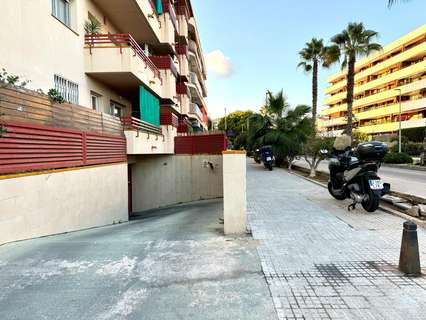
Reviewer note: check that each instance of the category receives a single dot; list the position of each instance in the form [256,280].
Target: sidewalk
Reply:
[172,263]
[323,262]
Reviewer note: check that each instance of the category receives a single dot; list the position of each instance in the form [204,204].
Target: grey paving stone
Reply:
[323,262]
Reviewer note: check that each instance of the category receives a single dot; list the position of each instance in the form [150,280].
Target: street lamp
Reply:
[400,130]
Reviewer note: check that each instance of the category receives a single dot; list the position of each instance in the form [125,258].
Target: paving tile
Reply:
[323,262]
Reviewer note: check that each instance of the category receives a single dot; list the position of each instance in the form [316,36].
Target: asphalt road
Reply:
[407,181]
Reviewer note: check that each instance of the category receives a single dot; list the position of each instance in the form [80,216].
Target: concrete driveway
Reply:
[169,264]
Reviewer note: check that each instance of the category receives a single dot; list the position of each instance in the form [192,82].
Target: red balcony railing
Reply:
[131,123]
[182,49]
[169,119]
[121,41]
[181,88]
[164,62]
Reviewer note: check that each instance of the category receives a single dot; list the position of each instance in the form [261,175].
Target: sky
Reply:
[252,46]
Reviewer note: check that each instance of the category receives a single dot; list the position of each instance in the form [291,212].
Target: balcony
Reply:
[169,74]
[118,61]
[380,97]
[406,107]
[194,57]
[183,27]
[145,138]
[138,17]
[401,74]
[405,55]
[195,89]
[195,112]
[392,126]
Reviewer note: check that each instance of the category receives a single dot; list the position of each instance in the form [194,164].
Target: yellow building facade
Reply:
[385,81]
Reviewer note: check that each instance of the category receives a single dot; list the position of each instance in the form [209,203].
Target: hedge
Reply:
[398,158]
[412,149]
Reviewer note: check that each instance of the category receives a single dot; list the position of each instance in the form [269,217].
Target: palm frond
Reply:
[391,3]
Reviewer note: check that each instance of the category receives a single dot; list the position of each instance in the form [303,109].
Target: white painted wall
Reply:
[39,46]
[234,192]
[139,143]
[46,204]
[160,181]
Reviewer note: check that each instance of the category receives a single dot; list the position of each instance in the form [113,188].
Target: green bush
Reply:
[413,149]
[398,158]
[414,134]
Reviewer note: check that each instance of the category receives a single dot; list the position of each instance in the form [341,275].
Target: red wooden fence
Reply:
[201,144]
[27,147]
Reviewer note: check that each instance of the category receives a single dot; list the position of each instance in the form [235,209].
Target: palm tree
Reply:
[312,55]
[392,2]
[286,130]
[353,42]
[276,104]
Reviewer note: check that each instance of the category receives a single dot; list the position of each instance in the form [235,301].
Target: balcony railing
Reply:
[195,109]
[131,123]
[165,62]
[194,80]
[120,41]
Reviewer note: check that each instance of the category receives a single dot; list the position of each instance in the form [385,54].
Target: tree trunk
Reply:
[315,93]
[350,93]
[313,172]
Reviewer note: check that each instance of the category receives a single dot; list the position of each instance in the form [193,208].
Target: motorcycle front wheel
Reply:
[337,194]
[372,203]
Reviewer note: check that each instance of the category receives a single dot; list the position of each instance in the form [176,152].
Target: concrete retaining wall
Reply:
[160,181]
[57,202]
[235,192]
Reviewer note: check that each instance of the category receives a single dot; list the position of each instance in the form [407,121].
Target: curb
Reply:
[384,208]
[397,166]
[406,196]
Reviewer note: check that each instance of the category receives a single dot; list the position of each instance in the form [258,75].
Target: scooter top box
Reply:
[373,150]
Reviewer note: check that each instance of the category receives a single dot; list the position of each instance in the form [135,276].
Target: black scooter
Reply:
[267,157]
[353,175]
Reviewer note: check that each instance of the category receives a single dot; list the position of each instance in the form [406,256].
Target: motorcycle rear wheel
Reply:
[338,196]
[373,202]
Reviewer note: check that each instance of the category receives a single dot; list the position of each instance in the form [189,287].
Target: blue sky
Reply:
[260,43]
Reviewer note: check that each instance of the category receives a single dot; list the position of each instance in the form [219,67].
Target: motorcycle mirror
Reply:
[323,151]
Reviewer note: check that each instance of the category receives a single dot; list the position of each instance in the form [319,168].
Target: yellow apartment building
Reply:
[384,81]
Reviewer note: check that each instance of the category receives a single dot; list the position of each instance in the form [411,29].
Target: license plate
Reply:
[376,184]
[268,158]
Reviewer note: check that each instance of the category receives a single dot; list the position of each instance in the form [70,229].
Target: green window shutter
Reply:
[149,106]
[159,6]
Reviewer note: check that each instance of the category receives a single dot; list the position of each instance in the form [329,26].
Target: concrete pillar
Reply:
[234,192]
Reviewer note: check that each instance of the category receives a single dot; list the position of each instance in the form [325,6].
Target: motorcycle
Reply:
[257,156]
[267,157]
[354,175]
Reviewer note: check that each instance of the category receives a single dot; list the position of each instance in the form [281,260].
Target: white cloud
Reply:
[219,64]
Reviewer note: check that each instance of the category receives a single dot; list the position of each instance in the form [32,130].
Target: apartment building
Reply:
[136,65]
[132,74]
[384,81]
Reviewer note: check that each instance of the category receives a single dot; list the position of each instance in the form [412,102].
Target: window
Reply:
[116,109]
[61,10]
[96,101]
[67,89]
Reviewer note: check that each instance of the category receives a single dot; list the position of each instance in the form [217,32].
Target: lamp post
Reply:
[400,129]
